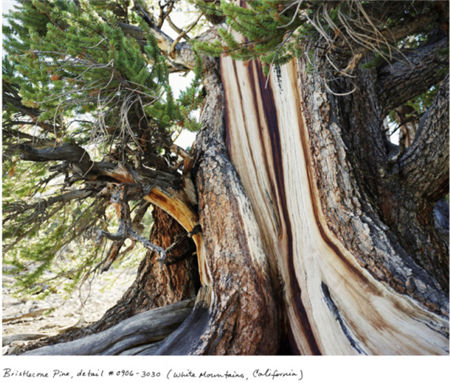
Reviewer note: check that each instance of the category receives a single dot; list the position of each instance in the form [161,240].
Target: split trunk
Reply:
[319,236]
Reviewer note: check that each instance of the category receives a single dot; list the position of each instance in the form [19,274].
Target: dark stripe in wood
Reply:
[270,113]
[292,344]
[337,315]
[226,118]
[263,147]
[261,137]
[242,107]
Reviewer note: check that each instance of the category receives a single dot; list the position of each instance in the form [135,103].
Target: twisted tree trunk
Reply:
[317,236]
[316,168]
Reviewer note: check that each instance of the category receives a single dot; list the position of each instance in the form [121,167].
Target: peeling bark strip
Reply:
[269,144]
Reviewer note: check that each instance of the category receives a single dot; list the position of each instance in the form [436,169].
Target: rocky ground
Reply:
[24,321]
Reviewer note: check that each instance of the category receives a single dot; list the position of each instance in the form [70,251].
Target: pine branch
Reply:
[181,59]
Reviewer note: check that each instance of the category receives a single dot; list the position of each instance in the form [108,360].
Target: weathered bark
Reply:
[313,232]
[349,282]
[413,73]
[425,164]
[235,312]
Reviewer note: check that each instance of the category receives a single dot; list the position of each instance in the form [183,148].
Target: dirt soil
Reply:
[25,321]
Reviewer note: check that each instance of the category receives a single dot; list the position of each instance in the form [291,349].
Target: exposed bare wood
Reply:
[145,328]
[332,300]
[159,187]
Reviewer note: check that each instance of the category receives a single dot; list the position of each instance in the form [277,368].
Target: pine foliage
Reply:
[275,31]
[72,60]
[73,74]
[76,72]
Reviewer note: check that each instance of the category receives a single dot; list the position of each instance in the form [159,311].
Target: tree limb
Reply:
[164,13]
[180,57]
[15,133]
[67,152]
[11,97]
[115,248]
[424,166]
[90,170]
[145,328]
[120,198]
[408,77]
[170,191]
[183,35]
[20,207]
[409,26]
[174,27]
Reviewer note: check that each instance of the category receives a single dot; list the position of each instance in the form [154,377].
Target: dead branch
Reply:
[183,34]
[141,329]
[120,200]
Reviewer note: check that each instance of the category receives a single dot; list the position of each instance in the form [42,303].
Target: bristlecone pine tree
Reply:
[296,224]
